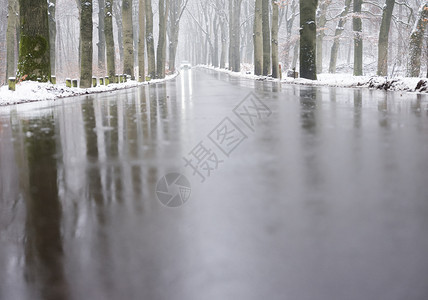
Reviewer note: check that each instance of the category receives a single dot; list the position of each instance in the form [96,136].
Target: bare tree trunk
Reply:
[237,32]
[215,47]
[86,28]
[11,35]
[400,37]
[235,35]
[173,30]
[321,24]
[108,30]
[101,37]
[52,34]
[382,62]
[161,50]
[308,35]
[176,11]
[295,54]
[119,24]
[142,41]
[337,34]
[150,40]
[223,44]
[128,38]
[34,52]
[358,41]
[416,42]
[266,37]
[289,27]
[275,66]
[3,43]
[231,39]
[258,38]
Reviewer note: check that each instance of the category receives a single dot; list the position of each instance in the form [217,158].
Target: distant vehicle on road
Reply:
[185,65]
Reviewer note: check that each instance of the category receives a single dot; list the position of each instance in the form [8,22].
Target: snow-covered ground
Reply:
[407,84]
[30,91]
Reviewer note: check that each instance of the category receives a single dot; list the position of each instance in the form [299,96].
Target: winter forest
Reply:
[146,39]
[214,149]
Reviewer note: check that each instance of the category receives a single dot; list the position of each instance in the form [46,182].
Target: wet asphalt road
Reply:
[298,193]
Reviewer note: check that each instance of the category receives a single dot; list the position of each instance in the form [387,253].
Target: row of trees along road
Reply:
[35,29]
[224,33]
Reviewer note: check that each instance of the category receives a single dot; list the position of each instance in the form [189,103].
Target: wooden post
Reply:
[12,83]
[101,81]
[53,79]
[116,78]
[75,83]
[121,78]
[68,82]
[94,81]
[106,80]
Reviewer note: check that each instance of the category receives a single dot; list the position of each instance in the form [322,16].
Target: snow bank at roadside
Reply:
[341,80]
[30,91]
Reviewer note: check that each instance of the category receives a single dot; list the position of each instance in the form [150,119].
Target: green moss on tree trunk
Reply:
[86,48]
[128,38]
[34,50]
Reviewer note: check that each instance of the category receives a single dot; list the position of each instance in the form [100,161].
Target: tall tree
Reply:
[321,24]
[289,14]
[151,63]
[34,52]
[101,36]
[416,42]
[117,12]
[128,38]
[11,37]
[337,34]
[308,34]
[3,43]
[161,50]
[108,30]
[86,48]
[52,34]
[266,37]
[176,10]
[142,41]
[235,35]
[275,13]
[215,26]
[231,39]
[220,6]
[358,40]
[382,59]
[258,38]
